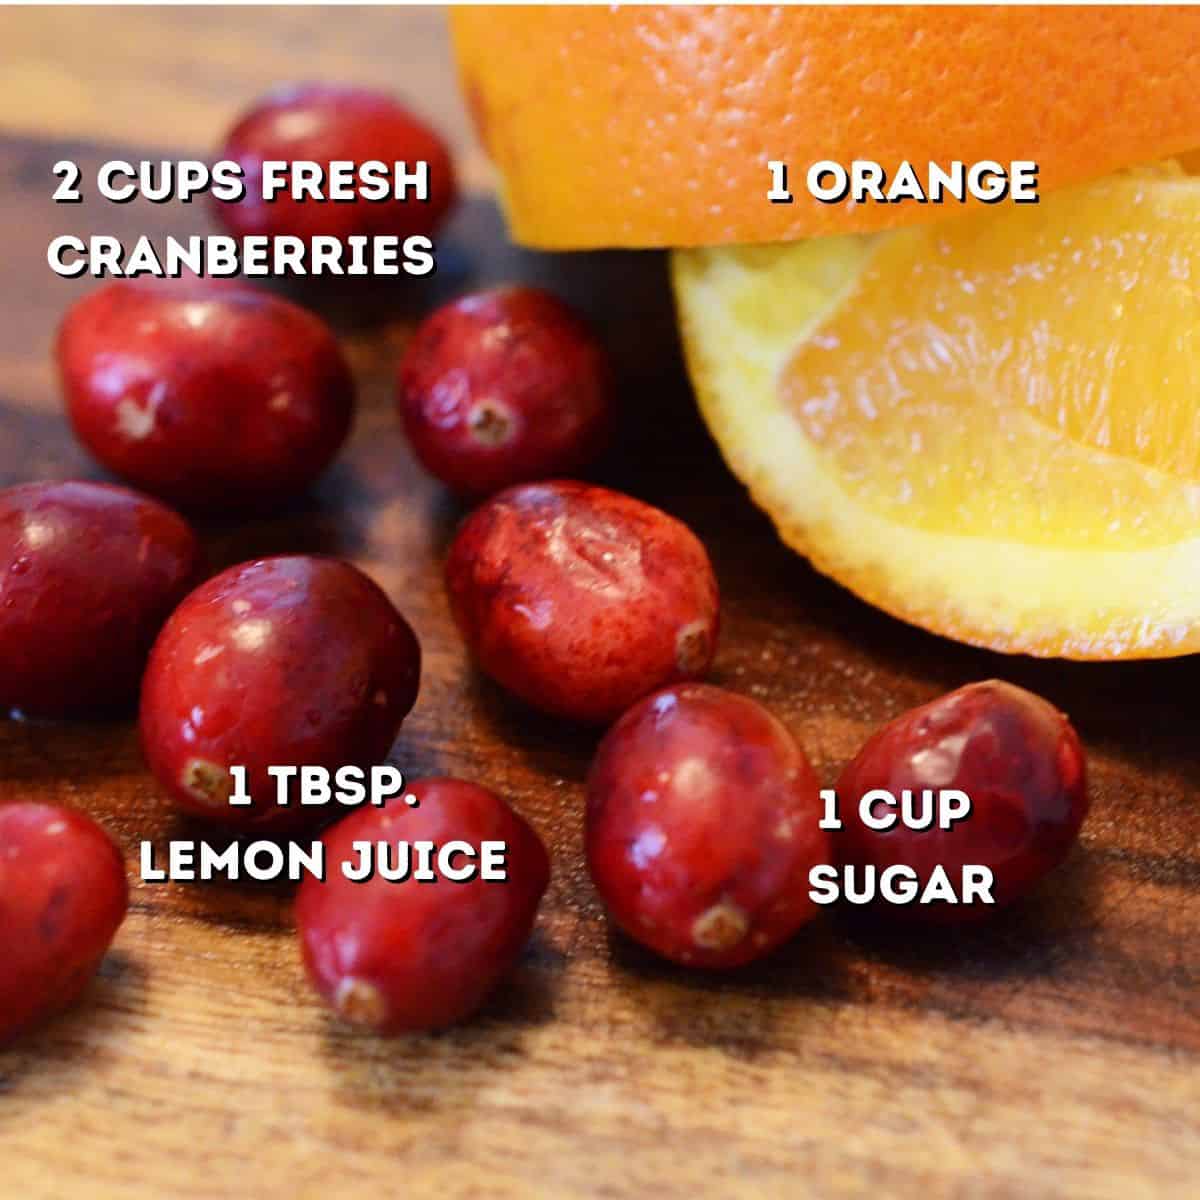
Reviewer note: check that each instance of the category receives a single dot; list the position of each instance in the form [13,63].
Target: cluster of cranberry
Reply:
[703,812]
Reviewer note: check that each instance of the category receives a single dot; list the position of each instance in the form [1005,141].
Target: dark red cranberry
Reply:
[581,600]
[88,574]
[209,395]
[401,955]
[1018,760]
[323,123]
[702,827]
[292,661]
[505,387]
[63,895]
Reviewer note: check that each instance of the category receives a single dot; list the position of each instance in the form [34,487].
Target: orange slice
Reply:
[990,426]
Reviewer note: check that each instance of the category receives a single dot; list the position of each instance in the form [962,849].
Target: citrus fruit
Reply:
[989,426]
[652,126]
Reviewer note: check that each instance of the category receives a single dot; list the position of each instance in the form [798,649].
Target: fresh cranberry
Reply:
[1018,760]
[702,826]
[63,895]
[210,396]
[292,661]
[411,955]
[505,387]
[88,574]
[323,124]
[581,600]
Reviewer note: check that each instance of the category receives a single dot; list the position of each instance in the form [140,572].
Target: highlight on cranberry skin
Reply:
[63,896]
[581,600]
[325,123]
[403,956]
[1016,757]
[295,660]
[88,574]
[210,395]
[505,387]
[702,826]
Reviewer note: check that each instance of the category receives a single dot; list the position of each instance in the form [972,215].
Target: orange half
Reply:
[989,427]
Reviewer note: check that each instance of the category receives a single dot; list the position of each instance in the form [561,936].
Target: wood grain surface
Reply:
[1052,1053]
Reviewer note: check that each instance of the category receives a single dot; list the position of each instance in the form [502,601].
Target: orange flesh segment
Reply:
[1031,373]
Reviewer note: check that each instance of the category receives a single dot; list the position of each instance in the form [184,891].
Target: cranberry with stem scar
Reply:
[88,575]
[210,395]
[324,123]
[398,956]
[703,825]
[581,600]
[1018,760]
[289,661]
[63,895]
[504,387]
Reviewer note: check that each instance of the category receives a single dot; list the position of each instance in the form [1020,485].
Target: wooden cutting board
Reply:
[1052,1053]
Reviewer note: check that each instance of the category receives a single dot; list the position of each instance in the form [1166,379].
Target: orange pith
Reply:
[651,126]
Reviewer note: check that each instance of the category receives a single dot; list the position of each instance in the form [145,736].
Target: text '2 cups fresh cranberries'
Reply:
[407,955]
[88,575]
[505,387]
[1019,762]
[324,123]
[581,600]
[208,394]
[285,661]
[63,895]
[703,825]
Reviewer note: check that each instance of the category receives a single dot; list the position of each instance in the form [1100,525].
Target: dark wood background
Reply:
[1051,1053]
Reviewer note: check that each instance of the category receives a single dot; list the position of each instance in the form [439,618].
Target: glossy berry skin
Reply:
[323,123]
[284,661]
[1016,757]
[208,395]
[702,827]
[88,574]
[63,895]
[581,600]
[505,387]
[405,956]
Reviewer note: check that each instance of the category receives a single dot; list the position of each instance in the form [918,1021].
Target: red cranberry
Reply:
[1018,760]
[63,895]
[211,396]
[292,661]
[323,124]
[505,387]
[702,826]
[410,955]
[88,574]
[581,600]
